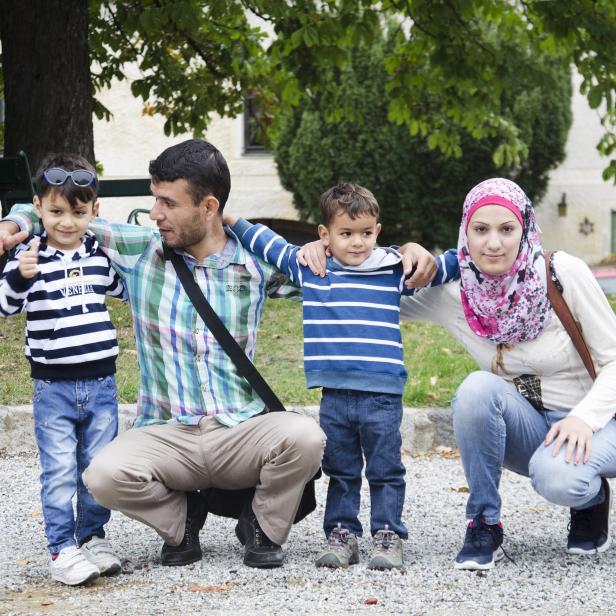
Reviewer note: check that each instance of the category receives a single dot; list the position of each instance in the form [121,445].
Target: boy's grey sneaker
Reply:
[589,529]
[99,552]
[72,567]
[482,546]
[341,551]
[388,551]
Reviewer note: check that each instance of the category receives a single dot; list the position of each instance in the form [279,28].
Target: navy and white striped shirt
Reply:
[69,334]
[351,316]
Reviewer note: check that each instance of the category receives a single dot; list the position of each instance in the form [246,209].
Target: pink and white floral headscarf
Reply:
[511,307]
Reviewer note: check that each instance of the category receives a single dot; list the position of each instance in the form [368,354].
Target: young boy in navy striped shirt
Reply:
[60,279]
[353,350]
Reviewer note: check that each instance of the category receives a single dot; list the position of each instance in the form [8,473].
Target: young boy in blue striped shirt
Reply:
[353,350]
[60,279]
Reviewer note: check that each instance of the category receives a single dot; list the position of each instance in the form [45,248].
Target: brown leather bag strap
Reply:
[566,318]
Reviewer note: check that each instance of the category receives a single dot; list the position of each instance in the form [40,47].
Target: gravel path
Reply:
[542,580]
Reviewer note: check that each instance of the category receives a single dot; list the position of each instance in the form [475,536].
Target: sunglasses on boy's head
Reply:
[56,176]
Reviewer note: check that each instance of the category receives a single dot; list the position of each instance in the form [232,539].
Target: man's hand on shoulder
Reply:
[420,262]
[10,236]
[314,256]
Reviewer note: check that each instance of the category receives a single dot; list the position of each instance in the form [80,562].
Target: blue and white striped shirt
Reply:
[351,316]
[69,334]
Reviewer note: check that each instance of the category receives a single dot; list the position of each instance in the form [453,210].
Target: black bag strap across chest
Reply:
[229,344]
[230,503]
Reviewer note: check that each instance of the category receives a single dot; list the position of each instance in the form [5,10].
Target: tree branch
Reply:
[121,31]
[467,29]
[209,63]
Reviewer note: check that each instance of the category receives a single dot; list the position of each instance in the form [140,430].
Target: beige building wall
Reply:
[586,230]
[127,143]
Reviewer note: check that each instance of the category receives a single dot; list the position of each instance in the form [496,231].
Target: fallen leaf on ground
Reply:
[463,489]
[370,601]
[24,562]
[35,514]
[448,452]
[47,602]
[210,587]
[446,351]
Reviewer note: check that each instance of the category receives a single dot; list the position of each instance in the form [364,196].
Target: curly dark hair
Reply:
[352,199]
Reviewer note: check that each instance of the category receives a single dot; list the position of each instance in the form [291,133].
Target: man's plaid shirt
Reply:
[185,373]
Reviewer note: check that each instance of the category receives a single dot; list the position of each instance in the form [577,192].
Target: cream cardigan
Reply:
[565,383]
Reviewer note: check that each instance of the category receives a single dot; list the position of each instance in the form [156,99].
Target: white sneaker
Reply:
[99,552]
[71,567]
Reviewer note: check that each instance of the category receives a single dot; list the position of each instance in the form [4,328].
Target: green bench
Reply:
[15,181]
[139,187]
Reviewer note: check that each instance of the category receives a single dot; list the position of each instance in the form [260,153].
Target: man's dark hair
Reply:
[200,164]
[352,199]
[68,190]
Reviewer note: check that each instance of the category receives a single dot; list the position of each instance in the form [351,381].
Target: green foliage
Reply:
[420,188]
[449,68]
[194,57]
[586,31]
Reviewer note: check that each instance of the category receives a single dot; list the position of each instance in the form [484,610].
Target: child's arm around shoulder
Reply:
[269,246]
[448,270]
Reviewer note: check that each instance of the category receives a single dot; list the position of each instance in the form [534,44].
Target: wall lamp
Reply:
[562,205]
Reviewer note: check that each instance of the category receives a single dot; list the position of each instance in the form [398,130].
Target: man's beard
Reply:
[188,236]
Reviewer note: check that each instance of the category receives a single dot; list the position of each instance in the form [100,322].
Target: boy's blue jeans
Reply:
[496,427]
[73,420]
[356,421]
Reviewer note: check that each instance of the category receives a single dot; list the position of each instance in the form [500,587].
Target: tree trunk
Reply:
[47,82]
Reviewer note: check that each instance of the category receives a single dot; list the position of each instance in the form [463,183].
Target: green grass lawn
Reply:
[436,363]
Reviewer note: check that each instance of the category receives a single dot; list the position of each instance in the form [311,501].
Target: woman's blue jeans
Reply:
[368,422]
[496,427]
[73,420]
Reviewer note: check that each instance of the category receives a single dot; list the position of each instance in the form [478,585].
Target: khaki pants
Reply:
[145,472]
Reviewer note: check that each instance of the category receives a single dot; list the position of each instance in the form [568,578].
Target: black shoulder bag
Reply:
[229,503]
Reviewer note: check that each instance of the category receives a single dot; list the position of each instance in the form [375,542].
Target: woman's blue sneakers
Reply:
[482,545]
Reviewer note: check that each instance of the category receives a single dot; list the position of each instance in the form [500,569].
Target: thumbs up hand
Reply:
[28,260]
